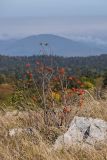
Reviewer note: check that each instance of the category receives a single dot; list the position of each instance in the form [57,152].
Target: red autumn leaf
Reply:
[37,62]
[56,79]
[74,89]
[81,85]
[62,71]
[66,110]
[28,65]
[49,69]
[30,75]
[70,78]
[81,92]
[78,81]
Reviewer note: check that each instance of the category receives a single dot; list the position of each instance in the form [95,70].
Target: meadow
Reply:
[47,98]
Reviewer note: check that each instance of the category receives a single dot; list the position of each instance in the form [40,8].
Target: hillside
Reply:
[38,108]
[59,46]
[75,65]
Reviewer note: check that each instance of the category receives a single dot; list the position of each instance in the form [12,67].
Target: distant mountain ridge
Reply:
[57,46]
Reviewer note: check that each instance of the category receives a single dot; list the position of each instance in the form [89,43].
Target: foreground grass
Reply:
[26,147]
[40,146]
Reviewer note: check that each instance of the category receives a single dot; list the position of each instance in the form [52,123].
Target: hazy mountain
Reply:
[56,45]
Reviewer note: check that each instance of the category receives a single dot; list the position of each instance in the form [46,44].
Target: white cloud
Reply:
[81,28]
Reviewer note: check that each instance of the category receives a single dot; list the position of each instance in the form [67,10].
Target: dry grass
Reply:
[26,147]
[6,90]
[39,146]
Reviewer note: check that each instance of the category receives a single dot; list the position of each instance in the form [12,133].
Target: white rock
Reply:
[17,131]
[14,131]
[83,131]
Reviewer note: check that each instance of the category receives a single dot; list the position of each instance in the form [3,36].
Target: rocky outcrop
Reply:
[85,132]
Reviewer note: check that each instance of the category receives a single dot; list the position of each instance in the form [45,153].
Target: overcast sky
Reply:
[81,18]
[52,7]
